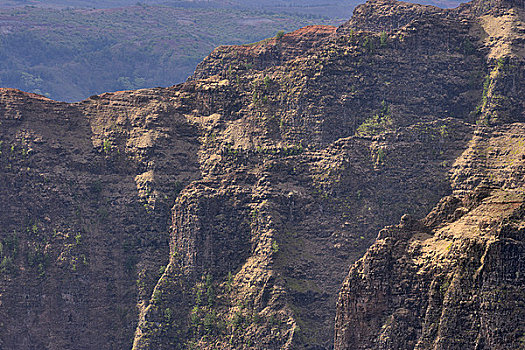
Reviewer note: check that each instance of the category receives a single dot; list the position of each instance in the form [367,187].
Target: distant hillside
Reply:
[69,50]
[70,54]
[331,7]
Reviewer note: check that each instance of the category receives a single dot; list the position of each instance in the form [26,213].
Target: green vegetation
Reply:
[229,282]
[380,156]
[215,317]
[383,39]
[70,54]
[264,91]
[162,269]
[484,100]
[443,131]
[210,292]
[369,44]
[106,146]
[268,82]
[275,246]
[488,96]
[269,151]
[443,288]
[380,122]
[204,320]
[38,258]
[9,247]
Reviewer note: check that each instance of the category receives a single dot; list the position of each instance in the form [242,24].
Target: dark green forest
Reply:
[70,54]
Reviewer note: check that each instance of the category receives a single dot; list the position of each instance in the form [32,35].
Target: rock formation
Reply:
[223,213]
[454,280]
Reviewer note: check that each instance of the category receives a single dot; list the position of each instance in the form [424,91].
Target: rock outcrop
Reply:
[223,213]
[455,279]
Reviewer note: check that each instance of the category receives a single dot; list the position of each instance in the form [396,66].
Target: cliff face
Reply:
[223,213]
[455,279]
[86,193]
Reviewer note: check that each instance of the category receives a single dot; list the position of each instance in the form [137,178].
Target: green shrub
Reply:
[383,39]
[229,282]
[106,146]
[6,265]
[380,156]
[376,124]
[369,45]
[209,322]
[210,293]
[275,246]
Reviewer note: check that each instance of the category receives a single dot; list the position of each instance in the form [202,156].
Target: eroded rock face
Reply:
[223,213]
[455,279]
[86,193]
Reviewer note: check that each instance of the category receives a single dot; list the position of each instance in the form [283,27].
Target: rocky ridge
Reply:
[223,213]
[455,278]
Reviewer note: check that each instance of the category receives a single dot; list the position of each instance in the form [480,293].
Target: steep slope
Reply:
[314,190]
[86,192]
[258,182]
[455,279]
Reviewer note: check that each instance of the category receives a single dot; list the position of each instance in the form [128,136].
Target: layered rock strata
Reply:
[223,213]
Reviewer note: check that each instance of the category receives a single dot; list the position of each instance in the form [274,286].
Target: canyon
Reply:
[371,174]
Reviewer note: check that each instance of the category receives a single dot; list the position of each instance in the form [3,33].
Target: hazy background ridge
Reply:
[69,50]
